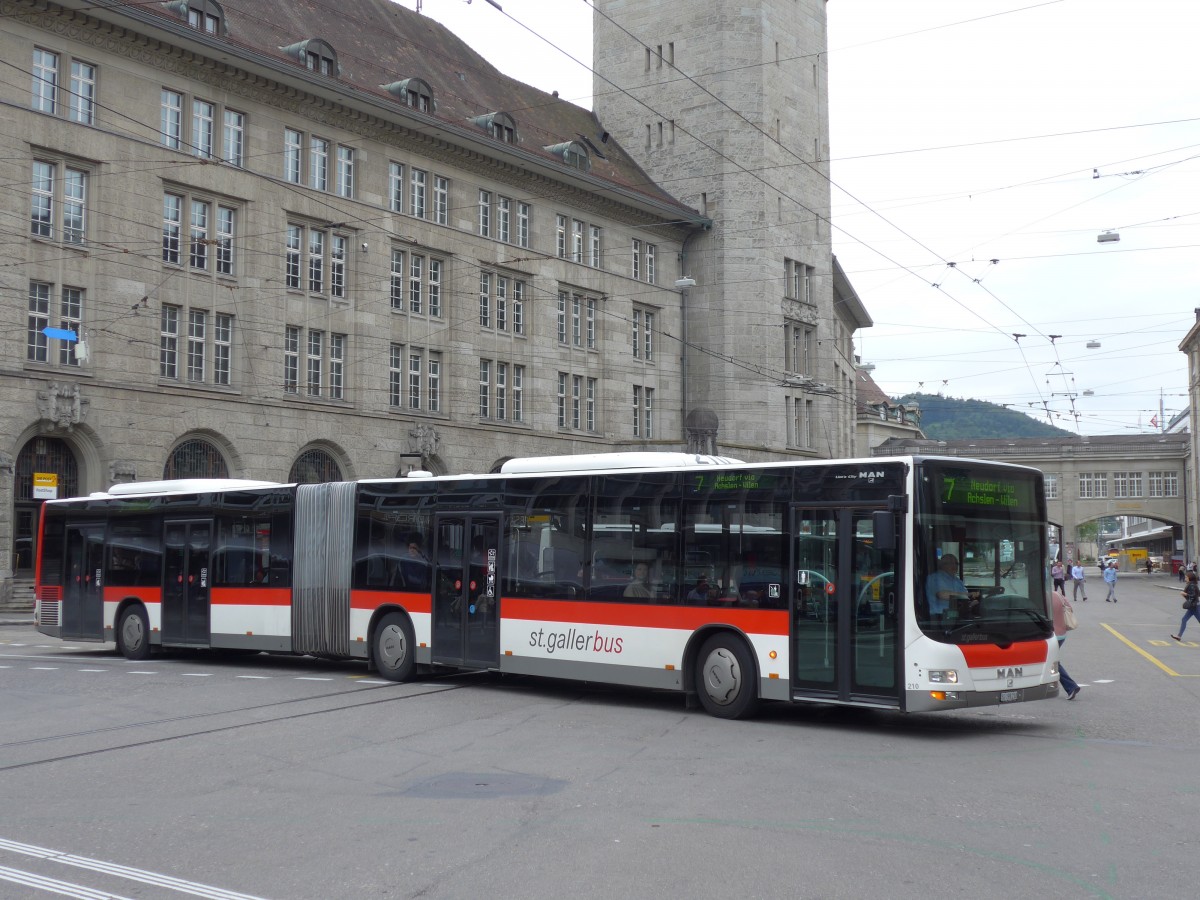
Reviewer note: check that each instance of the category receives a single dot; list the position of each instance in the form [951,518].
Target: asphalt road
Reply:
[276,777]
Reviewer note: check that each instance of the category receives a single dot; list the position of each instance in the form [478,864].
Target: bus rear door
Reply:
[466,590]
[83,583]
[187,577]
[844,620]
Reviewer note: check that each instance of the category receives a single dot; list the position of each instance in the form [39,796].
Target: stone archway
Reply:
[41,454]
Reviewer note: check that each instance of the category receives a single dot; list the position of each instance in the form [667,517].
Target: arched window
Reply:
[499,125]
[314,466]
[414,92]
[203,15]
[316,55]
[573,153]
[196,458]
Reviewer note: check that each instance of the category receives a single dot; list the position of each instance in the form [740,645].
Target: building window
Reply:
[326,260]
[293,147]
[318,163]
[595,246]
[560,236]
[226,235]
[651,252]
[315,362]
[1051,482]
[643,335]
[589,404]
[1093,485]
[45,81]
[518,307]
[798,349]
[485,300]
[416,269]
[485,388]
[222,349]
[337,363]
[562,399]
[636,256]
[396,187]
[1127,484]
[503,219]
[396,376]
[60,187]
[70,317]
[485,213]
[518,394]
[195,458]
[172,227]
[441,200]
[291,360]
[168,342]
[562,317]
[314,466]
[199,137]
[1164,484]
[590,329]
[501,391]
[198,235]
[197,325]
[416,194]
[523,214]
[203,20]
[325,356]
[82,104]
[412,92]
[576,320]
[576,241]
[800,281]
[345,171]
[643,412]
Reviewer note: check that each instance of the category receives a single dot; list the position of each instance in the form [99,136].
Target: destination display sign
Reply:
[735,481]
[982,490]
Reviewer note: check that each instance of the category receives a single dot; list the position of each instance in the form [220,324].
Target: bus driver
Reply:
[944,586]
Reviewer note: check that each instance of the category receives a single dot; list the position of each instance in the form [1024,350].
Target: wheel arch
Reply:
[377,617]
[692,651]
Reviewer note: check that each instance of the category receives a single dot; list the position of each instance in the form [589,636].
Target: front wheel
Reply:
[725,678]
[395,648]
[133,633]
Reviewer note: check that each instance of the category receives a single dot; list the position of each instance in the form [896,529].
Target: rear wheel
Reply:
[395,647]
[133,633]
[725,677]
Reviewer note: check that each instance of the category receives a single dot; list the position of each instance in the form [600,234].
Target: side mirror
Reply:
[883,526]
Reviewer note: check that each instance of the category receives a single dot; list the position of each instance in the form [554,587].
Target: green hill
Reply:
[949,418]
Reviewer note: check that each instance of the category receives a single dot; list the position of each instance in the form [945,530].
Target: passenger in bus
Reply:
[702,592]
[943,587]
[640,588]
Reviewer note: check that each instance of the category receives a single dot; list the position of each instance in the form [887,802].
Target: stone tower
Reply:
[725,105]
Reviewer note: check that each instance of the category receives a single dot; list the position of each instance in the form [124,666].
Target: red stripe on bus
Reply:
[980,656]
[251,596]
[145,594]
[689,618]
[414,603]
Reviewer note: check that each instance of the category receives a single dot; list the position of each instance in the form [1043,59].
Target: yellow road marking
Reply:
[1131,645]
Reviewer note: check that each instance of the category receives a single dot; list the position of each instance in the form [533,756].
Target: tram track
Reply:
[291,716]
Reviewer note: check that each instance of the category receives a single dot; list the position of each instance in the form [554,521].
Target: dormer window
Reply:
[573,153]
[316,55]
[412,92]
[203,15]
[499,125]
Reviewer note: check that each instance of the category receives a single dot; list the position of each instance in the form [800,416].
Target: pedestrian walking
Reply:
[1061,604]
[1079,582]
[1058,573]
[1110,578]
[1191,600]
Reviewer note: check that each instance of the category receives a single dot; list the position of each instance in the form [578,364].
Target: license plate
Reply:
[1010,696]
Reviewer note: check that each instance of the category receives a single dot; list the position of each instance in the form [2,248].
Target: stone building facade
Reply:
[267,242]
[727,104]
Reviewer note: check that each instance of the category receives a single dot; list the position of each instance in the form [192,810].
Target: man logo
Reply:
[1017,672]
[870,475]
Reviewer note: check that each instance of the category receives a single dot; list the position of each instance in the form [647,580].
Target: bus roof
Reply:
[184,486]
[590,462]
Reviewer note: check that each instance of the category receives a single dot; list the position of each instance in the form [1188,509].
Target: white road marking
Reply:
[311,678]
[44,668]
[92,670]
[198,674]
[137,672]
[65,888]
[1103,681]
[259,677]
[371,681]
[143,876]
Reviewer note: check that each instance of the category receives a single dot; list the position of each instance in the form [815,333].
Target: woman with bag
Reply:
[1191,599]
[1064,621]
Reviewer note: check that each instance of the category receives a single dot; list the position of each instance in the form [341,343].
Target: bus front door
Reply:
[83,586]
[186,580]
[844,618]
[466,590]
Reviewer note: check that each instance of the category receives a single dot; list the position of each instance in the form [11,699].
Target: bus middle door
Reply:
[466,590]
[186,583]
[83,583]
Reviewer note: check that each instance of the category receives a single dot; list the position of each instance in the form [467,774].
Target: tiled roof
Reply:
[378,42]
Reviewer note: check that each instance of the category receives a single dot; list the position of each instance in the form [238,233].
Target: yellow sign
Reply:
[45,485]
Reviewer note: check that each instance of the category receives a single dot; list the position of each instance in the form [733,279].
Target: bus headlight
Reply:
[943,676]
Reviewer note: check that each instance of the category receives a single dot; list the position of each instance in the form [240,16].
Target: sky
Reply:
[979,149]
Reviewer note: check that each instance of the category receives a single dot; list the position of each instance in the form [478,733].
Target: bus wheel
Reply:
[725,678]
[133,633]
[395,656]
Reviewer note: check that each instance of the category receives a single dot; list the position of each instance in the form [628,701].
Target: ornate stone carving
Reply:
[61,405]
[122,471]
[424,439]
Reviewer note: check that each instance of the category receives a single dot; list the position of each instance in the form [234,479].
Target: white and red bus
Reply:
[730,582]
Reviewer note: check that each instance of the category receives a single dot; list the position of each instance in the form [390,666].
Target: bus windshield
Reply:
[981,555]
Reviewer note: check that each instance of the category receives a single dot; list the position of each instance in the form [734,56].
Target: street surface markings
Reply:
[44,668]
[142,876]
[92,670]
[1150,656]
[198,674]
[359,680]
[257,677]
[138,672]
[311,678]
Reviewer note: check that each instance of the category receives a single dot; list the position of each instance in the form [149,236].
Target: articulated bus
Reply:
[728,582]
